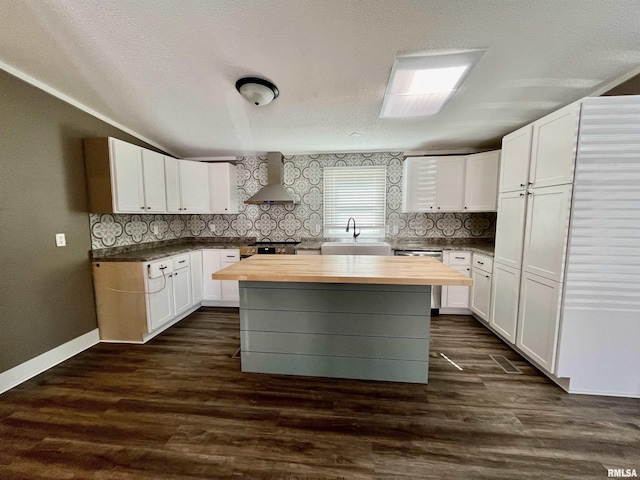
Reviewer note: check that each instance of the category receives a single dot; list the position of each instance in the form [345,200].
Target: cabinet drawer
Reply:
[482,262]
[181,261]
[229,256]
[459,258]
[157,269]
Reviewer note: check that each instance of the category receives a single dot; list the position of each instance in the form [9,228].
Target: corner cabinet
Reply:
[219,293]
[137,300]
[123,178]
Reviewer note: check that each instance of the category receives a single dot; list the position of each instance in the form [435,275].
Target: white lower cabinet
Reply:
[456,298]
[539,319]
[182,291]
[503,316]
[159,294]
[195,258]
[480,295]
[224,293]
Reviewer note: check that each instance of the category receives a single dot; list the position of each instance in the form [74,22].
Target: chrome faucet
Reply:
[355,235]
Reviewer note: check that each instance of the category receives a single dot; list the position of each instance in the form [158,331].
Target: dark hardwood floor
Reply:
[179,408]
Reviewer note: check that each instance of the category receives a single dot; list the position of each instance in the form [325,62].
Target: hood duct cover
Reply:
[274,191]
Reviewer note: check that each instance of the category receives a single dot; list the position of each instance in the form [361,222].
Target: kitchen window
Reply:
[358,192]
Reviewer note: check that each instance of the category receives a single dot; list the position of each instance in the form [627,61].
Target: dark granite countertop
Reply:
[483,246]
[156,250]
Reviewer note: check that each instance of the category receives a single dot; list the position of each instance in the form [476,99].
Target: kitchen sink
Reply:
[362,247]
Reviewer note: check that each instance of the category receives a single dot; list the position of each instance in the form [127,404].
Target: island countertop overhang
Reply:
[367,269]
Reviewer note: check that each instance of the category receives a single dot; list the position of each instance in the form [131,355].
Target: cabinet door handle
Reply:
[488,276]
[530,183]
[480,263]
[522,185]
[459,258]
[529,193]
[182,261]
[142,208]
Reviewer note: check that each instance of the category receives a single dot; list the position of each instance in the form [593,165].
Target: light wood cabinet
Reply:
[223,182]
[538,319]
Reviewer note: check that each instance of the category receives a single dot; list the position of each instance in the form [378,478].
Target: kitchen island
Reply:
[344,316]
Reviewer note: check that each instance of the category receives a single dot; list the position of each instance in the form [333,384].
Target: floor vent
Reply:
[237,354]
[505,364]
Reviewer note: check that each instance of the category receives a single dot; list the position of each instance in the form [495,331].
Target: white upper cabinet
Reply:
[553,149]
[223,181]
[481,182]
[123,178]
[420,184]
[516,153]
[155,199]
[126,177]
[187,186]
[172,184]
[194,186]
[433,184]
[450,186]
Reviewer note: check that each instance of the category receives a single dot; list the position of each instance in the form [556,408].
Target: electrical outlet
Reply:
[61,240]
[316,230]
[155,229]
[394,229]
[212,227]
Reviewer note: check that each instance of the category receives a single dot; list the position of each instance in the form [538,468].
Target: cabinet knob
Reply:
[148,208]
[530,183]
[465,207]
[522,194]
[522,185]
[438,208]
[487,276]
[142,208]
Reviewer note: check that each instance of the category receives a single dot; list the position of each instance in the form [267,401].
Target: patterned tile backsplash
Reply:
[303,178]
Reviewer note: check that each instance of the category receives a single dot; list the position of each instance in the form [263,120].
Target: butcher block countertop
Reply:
[343,269]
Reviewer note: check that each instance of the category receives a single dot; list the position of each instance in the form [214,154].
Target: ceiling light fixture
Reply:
[257,90]
[420,85]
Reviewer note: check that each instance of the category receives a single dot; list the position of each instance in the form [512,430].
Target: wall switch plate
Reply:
[316,230]
[212,227]
[394,229]
[61,240]
[155,229]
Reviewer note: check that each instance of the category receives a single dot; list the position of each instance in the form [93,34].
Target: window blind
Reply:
[358,192]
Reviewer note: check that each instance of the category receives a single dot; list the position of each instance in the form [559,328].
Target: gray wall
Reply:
[46,293]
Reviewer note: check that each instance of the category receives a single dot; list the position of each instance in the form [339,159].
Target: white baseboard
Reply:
[29,369]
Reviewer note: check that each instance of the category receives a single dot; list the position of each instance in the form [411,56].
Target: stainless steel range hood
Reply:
[274,191]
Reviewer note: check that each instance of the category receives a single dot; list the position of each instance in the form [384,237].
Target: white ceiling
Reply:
[166,69]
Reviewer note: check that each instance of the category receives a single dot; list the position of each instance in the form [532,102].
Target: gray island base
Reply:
[340,330]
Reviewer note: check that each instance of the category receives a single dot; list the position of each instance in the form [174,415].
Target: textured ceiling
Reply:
[166,69]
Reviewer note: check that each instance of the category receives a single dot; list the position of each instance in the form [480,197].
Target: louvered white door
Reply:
[601,319]
[420,184]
